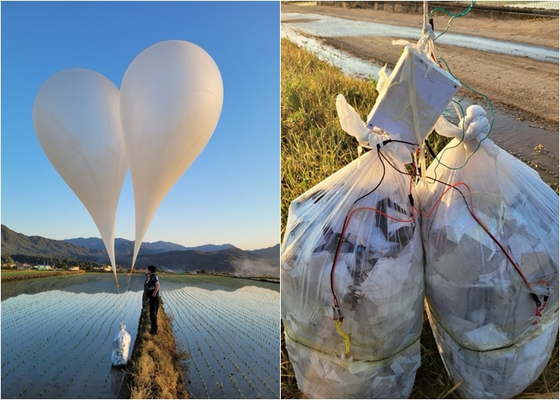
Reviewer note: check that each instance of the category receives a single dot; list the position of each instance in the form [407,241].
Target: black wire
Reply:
[517,268]
[430,150]
[341,239]
[378,184]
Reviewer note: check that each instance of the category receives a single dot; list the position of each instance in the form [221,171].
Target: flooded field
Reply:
[230,329]
[328,26]
[57,335]
[57,343]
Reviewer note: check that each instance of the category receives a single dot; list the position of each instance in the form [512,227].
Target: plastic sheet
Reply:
[478,301]
[500,373]
[377,280]
[322,376]
[121,345]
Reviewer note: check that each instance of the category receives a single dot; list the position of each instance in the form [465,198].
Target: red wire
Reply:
[471,211]
[414,209]
[346,223]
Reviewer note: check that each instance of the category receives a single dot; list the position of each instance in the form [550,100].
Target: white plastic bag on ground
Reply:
[495,318]
[353,326]
[121,345]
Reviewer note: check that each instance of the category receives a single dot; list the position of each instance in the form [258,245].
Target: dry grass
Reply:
[154,371]
[313,147]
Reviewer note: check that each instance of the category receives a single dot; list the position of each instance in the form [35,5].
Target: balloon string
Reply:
[120,303]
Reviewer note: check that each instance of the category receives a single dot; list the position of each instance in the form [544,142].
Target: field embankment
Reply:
[10,276]
[154,370]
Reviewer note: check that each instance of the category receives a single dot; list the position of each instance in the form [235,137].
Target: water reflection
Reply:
[327,26]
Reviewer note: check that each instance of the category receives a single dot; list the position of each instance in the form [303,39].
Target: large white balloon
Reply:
[171,100]
[76,119]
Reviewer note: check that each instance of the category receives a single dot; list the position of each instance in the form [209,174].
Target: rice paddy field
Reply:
[230,329]
[57,343]
[57,335]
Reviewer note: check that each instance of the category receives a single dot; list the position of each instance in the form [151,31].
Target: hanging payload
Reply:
[121,345]
[352,277]
[491,251]
[352,269]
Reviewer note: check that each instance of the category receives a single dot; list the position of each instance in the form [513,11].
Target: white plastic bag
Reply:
[121,345]
[491,284]
[353,326]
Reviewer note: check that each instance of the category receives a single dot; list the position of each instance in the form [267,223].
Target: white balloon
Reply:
[76,119]
[171,100]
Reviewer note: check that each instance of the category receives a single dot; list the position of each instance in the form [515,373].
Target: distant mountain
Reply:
[231,260]
[14,243]
[126,247]
[211,247]
[270,252]
[216,258]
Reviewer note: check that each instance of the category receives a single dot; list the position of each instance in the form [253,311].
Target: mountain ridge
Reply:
[214,258]
[125,246]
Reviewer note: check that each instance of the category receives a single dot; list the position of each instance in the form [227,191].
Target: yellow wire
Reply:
[345,336]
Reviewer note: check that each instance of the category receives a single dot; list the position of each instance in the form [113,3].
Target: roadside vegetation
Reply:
[313,147]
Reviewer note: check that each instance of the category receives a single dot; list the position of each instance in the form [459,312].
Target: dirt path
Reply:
[521,88]
[529,86]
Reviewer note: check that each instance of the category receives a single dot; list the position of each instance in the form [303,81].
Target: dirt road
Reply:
[525,90]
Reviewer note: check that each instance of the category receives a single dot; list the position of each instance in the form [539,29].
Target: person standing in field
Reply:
[152,291]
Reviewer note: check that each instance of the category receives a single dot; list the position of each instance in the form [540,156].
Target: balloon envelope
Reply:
[171,100]
[76,119]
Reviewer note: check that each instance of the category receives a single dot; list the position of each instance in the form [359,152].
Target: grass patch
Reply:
[314,147]
[154,370]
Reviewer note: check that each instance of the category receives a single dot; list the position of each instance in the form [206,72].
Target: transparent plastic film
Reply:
[491,251]
[352,263]
[501,373]
[324,376]
[121,346]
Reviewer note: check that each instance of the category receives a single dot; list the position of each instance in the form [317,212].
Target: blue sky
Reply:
[230,194]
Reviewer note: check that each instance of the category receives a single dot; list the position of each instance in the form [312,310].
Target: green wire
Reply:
[490,107]
[453,16]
